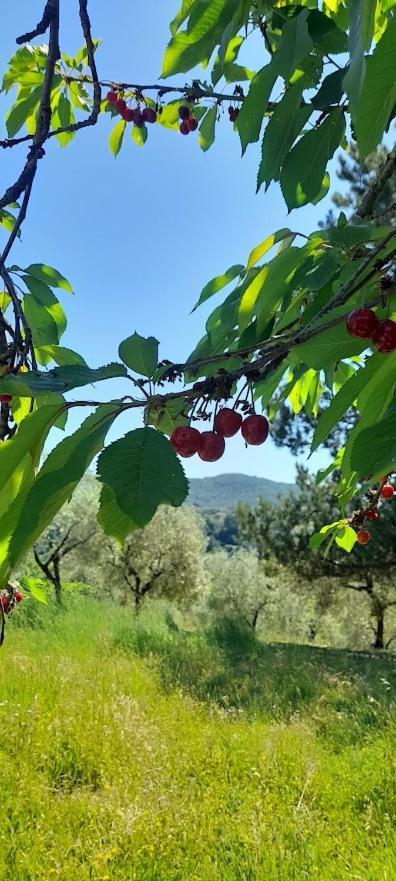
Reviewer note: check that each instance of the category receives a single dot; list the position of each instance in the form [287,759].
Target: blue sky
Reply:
[139,236]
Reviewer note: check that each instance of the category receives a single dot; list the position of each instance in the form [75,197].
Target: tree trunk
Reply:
[137,598]
[57,583]
[379,613]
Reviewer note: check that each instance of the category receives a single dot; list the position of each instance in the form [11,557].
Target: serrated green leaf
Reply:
[327,37]
[140,354]
[378,95]
[117,136]
[34,508]
[207,129]
[361,28]
[49,276]
[301,180]
[110,517]
[323,270]
[284,126]
[374,449]
[195,45]
[331,90]
[326,348]
[20,455]
[344,399]
[144,472]
[46,324]
[167,417]
[216,284]
[20,111]
[59,379]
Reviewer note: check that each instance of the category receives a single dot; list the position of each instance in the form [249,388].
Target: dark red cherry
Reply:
[255,429]
[227,422]
[211,446]
[362,323]
[185,440]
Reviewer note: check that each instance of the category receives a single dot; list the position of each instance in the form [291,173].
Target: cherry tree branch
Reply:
[385,173]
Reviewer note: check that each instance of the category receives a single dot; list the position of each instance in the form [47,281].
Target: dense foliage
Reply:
[280,334]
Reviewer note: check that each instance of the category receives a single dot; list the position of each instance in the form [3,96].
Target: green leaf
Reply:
[110,517]
[59,379]
[20,111]
[49,276]
[373,403]
[139,135]
[323,270]
[144,472]
[33,509]
[140,354]
[326,348]
[327,37]
[117,136]
[46,323]
[167,416]
[37,587]
[285,124]
[302,173]
[207,129]
[252,112]
[20,455]
[60,354]
[264,246]
[346,538]
[374,448]
[276,283]
[344,399]
[378,95]
[195,45]
[219,282]
[361,28]
[331,90]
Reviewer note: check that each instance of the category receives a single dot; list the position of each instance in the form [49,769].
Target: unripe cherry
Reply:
[362,323]
[227,422]
[255,429]
[363,536]
[387,491]
[384,336]
[185,440]
[211,446]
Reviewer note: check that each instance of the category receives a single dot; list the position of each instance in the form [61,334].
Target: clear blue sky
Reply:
[140,235]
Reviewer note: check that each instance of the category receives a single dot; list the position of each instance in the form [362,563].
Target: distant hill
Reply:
[224,491]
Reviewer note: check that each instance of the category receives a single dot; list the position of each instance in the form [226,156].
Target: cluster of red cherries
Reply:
[210,445]
[131,114]
[364,323]
[233,113]
[188,122]
[8,602]
[387,492]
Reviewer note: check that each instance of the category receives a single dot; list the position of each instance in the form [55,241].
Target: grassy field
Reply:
[139,753]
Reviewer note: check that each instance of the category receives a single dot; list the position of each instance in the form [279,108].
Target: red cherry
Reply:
[255,429]
[371,514]
[227,422]
[192,123]
[185,440]
[384,336]
[387,491]
[184,128]
[233,113]
[18,596]
[184,112]
[120,106]
[362,323]
[149,114]
[138,118]
[211,446]
[111,97]
[5,399]
[128,114]
[4,603]
[363,536]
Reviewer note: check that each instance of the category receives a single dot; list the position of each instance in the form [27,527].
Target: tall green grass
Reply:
[137,752]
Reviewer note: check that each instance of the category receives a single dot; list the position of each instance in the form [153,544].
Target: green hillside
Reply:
[224,491]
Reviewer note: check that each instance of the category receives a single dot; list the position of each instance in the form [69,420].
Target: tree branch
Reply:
[385,173]
[40,28]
